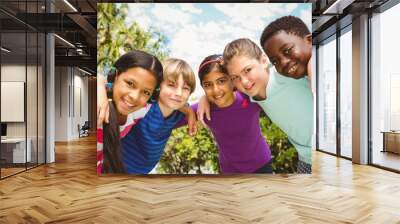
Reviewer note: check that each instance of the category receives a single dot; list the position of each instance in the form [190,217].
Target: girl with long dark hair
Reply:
[134,80]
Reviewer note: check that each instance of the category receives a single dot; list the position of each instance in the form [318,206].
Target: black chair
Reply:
[84,130]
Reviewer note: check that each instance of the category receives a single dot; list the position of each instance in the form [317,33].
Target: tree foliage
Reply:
[185,154]
[283,152]
[199,154]
[114,36]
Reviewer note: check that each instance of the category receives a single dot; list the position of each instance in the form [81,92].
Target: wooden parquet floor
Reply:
[69,191]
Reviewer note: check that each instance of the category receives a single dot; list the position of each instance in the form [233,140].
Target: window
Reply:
[327,95]
[346,92]
[385,85]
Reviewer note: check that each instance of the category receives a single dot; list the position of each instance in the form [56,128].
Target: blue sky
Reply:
[196,30]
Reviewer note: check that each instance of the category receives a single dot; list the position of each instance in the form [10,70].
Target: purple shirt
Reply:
[236,129]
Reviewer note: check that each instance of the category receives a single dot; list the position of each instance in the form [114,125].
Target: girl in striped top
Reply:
[135,79]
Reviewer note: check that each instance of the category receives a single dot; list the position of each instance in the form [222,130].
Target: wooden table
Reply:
[391,141]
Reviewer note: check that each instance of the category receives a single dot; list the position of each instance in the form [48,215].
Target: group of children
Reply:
[148,100]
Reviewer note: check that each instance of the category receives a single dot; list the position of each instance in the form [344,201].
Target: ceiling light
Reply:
[337,7]
[86,72]
[5,49]
[64,40]
[70,5]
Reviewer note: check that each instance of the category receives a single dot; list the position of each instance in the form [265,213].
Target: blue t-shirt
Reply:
[143,146]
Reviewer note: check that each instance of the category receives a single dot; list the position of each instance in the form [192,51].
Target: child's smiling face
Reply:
[249,75]
[218,88]
[132,89]
[174,93]
[289,53]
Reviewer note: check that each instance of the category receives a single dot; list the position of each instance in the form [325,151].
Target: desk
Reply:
[391,141]
[16,147]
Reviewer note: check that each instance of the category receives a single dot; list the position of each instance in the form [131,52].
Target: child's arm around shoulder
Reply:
[203,108]
[102,101]
[191,118]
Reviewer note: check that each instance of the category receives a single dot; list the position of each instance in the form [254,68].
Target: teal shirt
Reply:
[289,104]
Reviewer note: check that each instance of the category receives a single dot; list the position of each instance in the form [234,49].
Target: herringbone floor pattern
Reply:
[70,191]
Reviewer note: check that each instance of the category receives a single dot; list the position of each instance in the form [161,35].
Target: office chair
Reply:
[84,130]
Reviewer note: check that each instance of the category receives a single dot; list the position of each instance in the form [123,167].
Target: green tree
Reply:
[283,152]
[185,154]
[115,37]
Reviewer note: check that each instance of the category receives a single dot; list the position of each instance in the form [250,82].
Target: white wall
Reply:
[71,94]
[80,108]
[61,103]
[12,73]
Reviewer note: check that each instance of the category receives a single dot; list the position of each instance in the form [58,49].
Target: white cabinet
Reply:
[18,149]
[12,101]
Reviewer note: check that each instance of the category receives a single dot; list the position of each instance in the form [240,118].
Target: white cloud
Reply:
[251,19]
[253,11]
[138,12]
[170,16]
[193,43]
[190,8]
[289,7]
[246,16]
[305,15]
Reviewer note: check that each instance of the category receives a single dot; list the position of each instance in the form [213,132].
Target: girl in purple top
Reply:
[235,122]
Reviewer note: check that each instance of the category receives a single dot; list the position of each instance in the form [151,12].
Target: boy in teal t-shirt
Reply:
[288,44]
[289,105]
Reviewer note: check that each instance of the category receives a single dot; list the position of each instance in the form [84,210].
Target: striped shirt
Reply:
[131,120]
[144,145]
